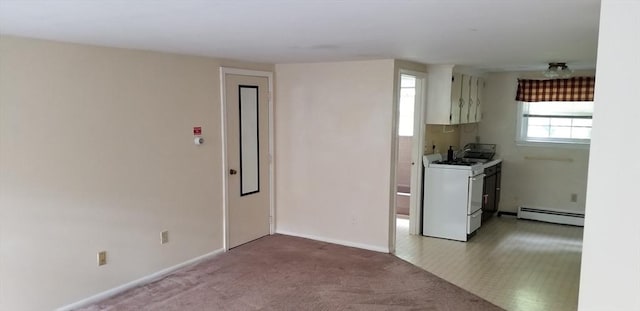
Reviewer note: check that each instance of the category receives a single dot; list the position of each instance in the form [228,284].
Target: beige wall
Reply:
[527,182]
[333,151]
[96,153]
[610,275]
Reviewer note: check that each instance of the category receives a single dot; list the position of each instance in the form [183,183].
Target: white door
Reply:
[247,154]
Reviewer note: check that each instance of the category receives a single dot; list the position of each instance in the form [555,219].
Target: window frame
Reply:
[523,140]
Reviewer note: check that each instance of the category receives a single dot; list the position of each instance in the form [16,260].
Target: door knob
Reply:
[233,172]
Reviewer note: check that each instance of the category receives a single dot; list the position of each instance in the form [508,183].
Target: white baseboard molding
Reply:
[335,241]
[551,215]
[141,281]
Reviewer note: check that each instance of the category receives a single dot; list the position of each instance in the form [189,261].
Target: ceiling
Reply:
[493,35]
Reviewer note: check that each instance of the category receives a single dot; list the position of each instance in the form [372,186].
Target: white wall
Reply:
[97,153]
[549,176]
[333,125]
[610,276]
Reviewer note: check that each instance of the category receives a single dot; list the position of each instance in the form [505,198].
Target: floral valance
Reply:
[573,89]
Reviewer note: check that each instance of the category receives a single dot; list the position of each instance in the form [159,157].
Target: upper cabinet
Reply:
[452,97]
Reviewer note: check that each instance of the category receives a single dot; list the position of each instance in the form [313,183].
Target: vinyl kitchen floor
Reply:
[518,265]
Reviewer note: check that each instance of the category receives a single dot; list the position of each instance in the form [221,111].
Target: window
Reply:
[542,123]
[407,102]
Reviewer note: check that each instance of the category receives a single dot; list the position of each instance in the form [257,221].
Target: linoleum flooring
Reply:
[519,265]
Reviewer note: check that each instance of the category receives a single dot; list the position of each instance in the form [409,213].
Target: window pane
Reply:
[405,125]
[538,131]
[407,102]
[561,108]
[538,121]
[560,132]
[407,93]
[407,81]
[582,122]
[581,133]
[561,121]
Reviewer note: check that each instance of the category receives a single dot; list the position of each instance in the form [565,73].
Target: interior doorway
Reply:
[410,131]
[406,109]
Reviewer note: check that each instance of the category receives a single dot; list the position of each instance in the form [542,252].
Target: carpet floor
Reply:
[281,272]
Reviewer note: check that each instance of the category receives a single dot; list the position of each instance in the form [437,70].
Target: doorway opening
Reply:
[405,142]
[409,130]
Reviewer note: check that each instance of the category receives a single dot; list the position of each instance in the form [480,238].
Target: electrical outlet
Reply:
[102,258]
[574,197]
[164,237]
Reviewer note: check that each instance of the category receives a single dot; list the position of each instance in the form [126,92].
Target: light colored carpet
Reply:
[288,273]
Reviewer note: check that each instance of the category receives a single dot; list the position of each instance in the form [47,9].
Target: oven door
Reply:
[474,201]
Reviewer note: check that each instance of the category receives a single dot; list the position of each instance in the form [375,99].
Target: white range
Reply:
[452,207]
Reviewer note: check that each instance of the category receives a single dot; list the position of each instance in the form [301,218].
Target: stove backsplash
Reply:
[442,136]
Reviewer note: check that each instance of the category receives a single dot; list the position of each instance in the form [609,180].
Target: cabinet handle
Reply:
[486,197]
[498,189]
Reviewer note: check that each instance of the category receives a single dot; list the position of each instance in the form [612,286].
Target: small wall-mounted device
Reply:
[198,140]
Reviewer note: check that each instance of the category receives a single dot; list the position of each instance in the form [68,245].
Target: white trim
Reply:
[417,150]
[135,283]
[550,144]
[335,241]
[225,179]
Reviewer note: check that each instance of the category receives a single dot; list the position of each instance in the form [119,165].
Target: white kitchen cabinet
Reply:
[456,98]
[465,103]
[480,99]
[473,99]
[450,98]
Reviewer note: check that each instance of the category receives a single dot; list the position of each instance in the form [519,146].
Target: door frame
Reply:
[224,71]
[417,150]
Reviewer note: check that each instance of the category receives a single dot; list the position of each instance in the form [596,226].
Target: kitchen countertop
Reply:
[491,163]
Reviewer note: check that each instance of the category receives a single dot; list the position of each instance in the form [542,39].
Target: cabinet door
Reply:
[465,96]
[489,196]
[479,100]
[498,185]
[473,99]
[456,97]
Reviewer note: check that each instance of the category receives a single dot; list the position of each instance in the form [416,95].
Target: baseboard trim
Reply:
[335,241]
[141,281]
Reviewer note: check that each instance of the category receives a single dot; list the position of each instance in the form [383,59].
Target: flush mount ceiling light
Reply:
[558,70]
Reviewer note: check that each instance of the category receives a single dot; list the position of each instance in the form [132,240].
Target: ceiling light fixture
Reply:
[558,70]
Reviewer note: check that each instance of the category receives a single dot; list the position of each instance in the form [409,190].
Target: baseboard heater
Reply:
[551,215]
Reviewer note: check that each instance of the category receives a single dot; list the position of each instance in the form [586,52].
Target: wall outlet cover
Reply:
[574,197]
[102,258]
[164,237]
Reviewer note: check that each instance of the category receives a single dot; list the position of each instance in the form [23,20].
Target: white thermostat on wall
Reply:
[198,140]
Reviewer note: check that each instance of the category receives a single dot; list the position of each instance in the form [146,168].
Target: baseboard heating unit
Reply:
[551,215]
